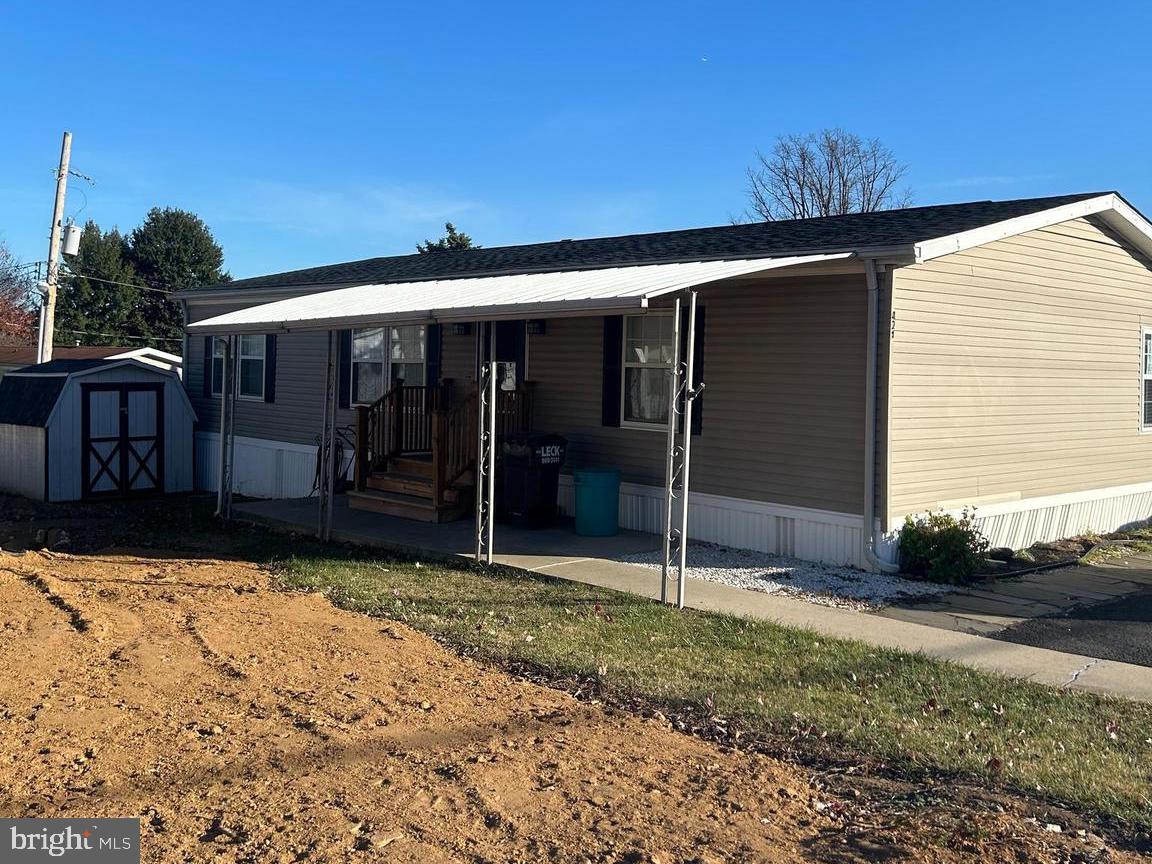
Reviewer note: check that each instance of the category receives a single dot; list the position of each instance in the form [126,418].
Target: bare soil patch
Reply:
[243,723]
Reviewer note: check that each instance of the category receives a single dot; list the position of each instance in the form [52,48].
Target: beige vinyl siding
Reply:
[784,402]
[1015,370]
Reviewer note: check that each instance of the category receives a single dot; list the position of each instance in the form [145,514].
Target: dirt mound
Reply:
[247,724]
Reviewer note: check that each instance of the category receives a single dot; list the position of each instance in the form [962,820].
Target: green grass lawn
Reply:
[827,698]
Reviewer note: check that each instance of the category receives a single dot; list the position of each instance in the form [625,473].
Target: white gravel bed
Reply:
[825,584]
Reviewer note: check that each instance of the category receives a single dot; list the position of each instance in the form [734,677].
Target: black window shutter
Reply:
[270,368]
[208,346]
[697,362]
[345,368]
[433,341]
[613,363]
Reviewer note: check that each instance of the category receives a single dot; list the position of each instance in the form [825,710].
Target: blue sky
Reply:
[310,133]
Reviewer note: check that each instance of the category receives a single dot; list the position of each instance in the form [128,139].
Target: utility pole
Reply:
[48,305]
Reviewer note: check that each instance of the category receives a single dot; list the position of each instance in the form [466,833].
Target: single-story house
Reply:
[73,429]
[992,354]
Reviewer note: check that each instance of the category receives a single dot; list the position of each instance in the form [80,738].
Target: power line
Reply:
[114,282]
[125,336]
[144,286]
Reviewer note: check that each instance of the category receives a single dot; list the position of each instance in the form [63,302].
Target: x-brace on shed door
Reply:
[122,444]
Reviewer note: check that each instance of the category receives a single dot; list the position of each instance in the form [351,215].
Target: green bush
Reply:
[942,548]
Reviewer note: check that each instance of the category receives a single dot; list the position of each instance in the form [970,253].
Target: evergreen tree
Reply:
[97,303]
[452,239]
[173,250]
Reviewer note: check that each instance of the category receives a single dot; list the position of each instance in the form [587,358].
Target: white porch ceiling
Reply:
[526,295]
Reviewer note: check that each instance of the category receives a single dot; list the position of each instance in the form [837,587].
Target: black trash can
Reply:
[529,477]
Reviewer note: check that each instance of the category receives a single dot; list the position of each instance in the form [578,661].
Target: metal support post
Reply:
[681,394]
[485,469]
[225,478]
[690,394]
[672,458]
[326,486]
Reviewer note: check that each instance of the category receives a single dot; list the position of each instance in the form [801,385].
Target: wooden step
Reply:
[411,465]
[404,506]
[402,484]
[392,504]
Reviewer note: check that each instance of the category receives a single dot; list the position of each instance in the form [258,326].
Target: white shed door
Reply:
[122,451]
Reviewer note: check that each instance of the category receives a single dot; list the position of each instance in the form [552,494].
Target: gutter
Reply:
[871,386]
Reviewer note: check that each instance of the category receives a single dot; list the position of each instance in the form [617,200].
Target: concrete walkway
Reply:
[559,552]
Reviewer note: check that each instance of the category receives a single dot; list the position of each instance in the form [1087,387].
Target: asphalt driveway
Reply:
[1100,610]
[1115,630]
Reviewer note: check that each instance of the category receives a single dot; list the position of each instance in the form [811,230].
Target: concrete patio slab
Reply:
[559,552]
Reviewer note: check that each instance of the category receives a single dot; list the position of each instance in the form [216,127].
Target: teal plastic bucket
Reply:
[597,501]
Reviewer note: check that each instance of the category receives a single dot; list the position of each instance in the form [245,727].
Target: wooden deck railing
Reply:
[398,423]
[453,446]
[410,420]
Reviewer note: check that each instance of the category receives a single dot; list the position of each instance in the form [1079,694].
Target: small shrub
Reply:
[940,547]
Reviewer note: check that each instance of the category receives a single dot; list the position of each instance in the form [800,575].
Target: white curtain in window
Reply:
[648,349]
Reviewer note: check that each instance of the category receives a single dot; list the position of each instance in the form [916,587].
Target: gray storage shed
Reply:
[72,429]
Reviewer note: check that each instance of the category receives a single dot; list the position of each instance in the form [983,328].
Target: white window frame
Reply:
[216,369]
[1145,375]
[385,361]
[261,356]
[625,365]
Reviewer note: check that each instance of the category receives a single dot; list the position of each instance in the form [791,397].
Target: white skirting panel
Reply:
[814,535]
[264,468]
[1018,524]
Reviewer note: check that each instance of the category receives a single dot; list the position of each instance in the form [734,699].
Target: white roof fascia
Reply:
[155,353]
[1112,208]
[1130,223]
[509,297]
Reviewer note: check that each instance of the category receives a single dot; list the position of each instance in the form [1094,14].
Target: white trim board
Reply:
[1113,209]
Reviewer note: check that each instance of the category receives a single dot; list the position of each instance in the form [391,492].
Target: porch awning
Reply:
[524,295]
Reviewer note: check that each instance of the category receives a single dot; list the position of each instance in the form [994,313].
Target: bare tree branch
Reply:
[825,173]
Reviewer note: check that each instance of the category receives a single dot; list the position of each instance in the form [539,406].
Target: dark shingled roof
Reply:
[65,366]
[27,401]
[757,240]
[27,395]
[25,355]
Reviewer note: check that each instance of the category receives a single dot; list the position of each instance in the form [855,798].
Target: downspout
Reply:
[871,386]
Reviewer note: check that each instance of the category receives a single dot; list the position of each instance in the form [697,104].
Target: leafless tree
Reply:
[17,316]
[825,173]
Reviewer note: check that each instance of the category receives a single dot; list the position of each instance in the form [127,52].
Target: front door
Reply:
[509,339]
[122,449]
